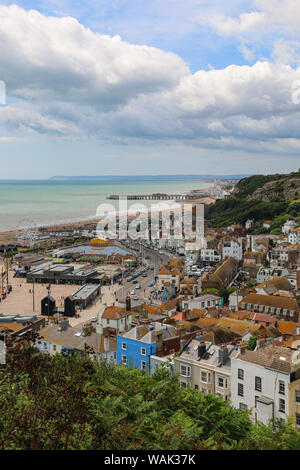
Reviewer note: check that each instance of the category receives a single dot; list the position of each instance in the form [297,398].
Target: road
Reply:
[155,259]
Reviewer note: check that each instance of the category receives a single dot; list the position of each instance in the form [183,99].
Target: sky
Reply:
[134,87]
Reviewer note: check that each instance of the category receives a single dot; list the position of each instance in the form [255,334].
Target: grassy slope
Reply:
[260,197]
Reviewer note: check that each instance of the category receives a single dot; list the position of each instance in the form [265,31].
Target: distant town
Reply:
[224,319]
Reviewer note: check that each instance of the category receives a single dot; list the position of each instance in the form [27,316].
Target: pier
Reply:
[158,197]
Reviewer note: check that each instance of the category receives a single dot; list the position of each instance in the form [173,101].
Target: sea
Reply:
[29,204]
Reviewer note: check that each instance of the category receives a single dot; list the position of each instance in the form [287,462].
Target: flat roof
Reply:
[85,291]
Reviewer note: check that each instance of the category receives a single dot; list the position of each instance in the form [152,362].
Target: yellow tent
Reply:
[98,240]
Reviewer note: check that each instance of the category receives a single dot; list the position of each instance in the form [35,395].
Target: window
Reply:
[185,370]
[297,419]
[222,382]
[240,374]
[243,406]
[124,346]
[240,390]
[258,384]
[196,387]
[183,384]
[124,359]
[281,387]
[143,365]
[205,377]
[54,347]
[143,351]
[297,397]
[281,405]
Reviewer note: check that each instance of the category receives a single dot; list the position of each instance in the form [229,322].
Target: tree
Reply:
[252,342]
[69,402]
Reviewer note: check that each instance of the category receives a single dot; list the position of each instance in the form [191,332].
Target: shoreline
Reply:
[10,236]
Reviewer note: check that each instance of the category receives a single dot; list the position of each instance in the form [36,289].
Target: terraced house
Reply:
[267,381]
[205,367]
[282,307]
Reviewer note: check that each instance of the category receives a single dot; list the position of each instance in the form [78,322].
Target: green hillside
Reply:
[57,403]
[260,197]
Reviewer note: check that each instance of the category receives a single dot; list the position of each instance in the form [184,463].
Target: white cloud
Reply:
[58,58]
[78,84]
[268,16]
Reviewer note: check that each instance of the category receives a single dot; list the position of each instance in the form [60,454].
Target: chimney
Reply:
[201,349]
[223,355]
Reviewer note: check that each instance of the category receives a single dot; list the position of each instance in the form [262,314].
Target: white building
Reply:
[233,249]
[288,226]
[266,274]
[260,381]
[249,223]
[210,256]
[294,237]
[204,301]
[113,318]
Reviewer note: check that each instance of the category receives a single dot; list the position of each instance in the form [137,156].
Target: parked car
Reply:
[137,286]
[132,292]
[135,297]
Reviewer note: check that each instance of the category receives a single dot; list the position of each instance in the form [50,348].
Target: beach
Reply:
[32,204]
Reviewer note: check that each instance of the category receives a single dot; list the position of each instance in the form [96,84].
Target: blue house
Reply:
[137,345]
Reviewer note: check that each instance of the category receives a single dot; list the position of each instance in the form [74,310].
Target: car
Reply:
[132,292]
[94,319]
[144,275]
[150,284]
[134,282]
[135,297]
[137,286]
[147,257]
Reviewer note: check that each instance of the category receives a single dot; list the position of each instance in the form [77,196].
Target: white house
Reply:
[294,236]
[204,301]
[232,249]
[260,381]
[288,226]
[113,318]
[210,257]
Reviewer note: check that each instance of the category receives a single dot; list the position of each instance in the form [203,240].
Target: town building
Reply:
[205,367]
[62,338]
[265,381]
[136,346]
[232,248]
[113,319]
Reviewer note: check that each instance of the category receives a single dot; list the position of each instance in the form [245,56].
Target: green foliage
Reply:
[252,342]
[69,402]
[239,207]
